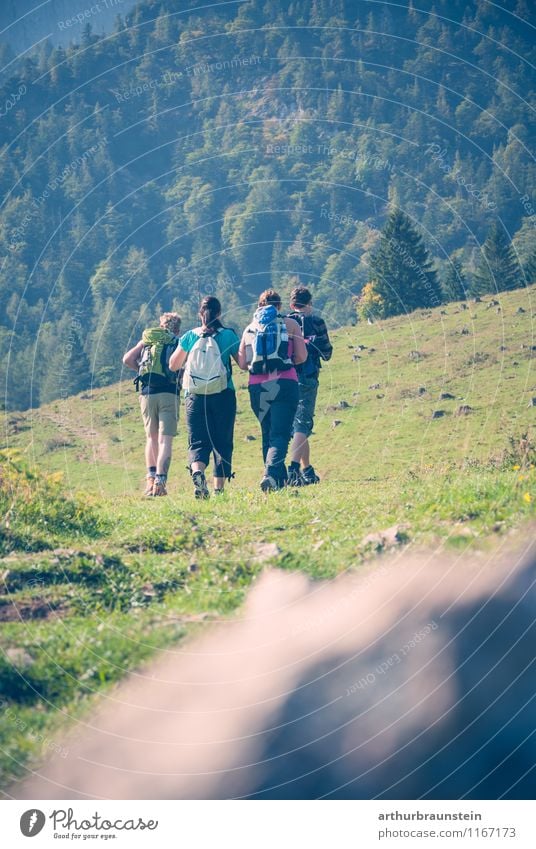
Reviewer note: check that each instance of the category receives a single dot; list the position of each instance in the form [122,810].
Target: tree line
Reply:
[403,276]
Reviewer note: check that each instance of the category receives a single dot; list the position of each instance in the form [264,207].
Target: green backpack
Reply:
[153,367]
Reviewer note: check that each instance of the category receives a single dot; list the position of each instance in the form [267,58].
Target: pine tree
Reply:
[529,269]
[67,365]
[498,269]
[278,263]
[109,342]
[524,243]
[401,268]
[455,283]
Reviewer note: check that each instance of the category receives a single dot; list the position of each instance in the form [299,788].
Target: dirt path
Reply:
[69,427]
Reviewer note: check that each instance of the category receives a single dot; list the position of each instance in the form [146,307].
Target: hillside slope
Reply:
[483,354]
[95,579]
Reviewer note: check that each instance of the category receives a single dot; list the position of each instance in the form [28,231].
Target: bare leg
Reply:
[198,466]
[219,483]
[300,450]
[151,450]
[164,454]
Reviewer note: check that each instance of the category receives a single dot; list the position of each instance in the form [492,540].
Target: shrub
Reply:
[369,304]
[35,508]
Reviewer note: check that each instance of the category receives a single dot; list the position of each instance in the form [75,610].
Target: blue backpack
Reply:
[267,342]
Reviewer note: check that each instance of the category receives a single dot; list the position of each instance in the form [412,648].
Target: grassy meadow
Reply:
[425,425]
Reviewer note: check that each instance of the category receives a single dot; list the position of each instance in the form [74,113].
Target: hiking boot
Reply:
[149,486]
[159,488]
[200,485]
[269,484]
[294,478]
[309,476]
[219,491]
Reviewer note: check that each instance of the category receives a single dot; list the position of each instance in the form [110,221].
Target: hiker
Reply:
[210,395]
[271,348]
[159,397]
[319,347]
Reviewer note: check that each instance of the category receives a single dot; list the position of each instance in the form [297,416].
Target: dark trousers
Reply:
[274,403]
[210,420]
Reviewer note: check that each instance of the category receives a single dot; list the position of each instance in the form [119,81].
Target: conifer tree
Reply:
[108,344]
[402,270]
[67,364]
[278,264]
[498,269]
[455,283]
[524,243]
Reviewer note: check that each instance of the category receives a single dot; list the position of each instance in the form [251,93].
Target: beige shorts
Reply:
[160,413]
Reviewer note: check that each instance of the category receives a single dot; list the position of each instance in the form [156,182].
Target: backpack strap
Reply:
[264,353]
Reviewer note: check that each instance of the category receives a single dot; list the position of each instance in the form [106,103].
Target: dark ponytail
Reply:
[209,311]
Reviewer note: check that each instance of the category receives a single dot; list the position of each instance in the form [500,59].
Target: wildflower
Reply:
[527,497]
[516,468]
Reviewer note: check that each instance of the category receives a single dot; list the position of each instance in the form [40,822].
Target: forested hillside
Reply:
[244,144]
[25,23]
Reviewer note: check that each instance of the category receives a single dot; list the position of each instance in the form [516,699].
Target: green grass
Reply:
[96,579]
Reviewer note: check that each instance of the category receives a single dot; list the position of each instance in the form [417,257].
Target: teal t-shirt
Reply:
[228,343]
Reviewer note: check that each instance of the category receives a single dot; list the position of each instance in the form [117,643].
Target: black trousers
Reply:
[274,403]
[210,420]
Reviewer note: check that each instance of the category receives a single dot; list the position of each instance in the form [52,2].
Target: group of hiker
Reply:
[283,356]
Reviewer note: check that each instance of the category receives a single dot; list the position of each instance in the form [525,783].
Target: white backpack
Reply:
[205,372]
